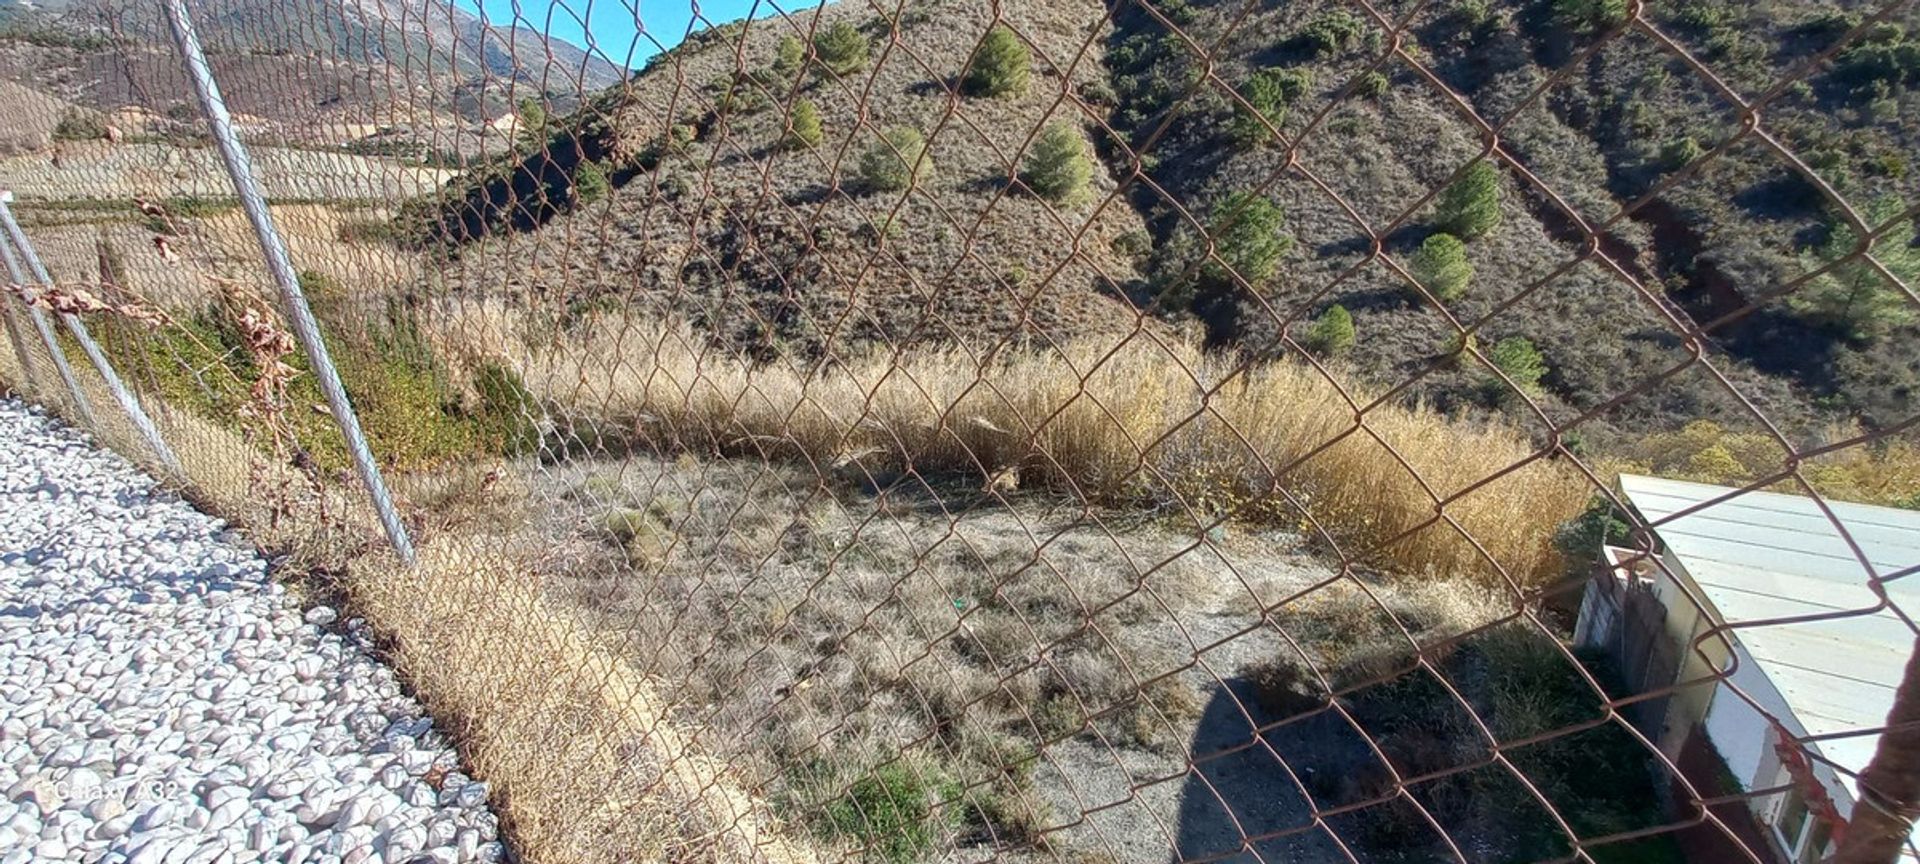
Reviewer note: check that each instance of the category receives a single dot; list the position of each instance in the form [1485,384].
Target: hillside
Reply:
[712,219]
[783,249]
[383,75]
[1585,135]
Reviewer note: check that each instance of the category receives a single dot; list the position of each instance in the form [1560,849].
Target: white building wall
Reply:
[1745,738]
[1738,730]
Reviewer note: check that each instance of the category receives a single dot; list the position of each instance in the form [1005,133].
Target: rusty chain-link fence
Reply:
[1173,430]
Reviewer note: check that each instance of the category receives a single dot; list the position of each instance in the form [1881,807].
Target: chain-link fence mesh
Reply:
[1171,430]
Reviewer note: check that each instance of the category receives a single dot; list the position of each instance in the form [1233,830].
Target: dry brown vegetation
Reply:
[1147,421]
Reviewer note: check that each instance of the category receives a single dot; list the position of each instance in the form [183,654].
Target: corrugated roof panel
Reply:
[1764,555]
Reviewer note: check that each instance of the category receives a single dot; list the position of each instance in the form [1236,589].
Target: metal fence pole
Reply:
[47,340]
[129,403]
[19,340]
[274,250]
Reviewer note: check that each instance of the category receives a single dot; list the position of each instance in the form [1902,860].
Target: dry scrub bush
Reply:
[1117,426]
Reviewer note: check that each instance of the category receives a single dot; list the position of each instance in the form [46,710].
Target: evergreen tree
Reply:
[590,183]
[1588,16]
[788,55]
[1246,233]
[1853,297]
[803,127]
[1471,206]
[841,49]
[1332,333]
[1442,266]
[1268,94]
[1000,66]
[1057,168]
[899,160]
[533,116]
[1517,357]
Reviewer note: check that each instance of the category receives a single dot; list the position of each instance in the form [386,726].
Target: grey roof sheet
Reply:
[1764,555]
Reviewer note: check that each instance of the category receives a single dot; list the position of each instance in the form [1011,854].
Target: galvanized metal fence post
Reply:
[47,340]
[129,403]
[274,250]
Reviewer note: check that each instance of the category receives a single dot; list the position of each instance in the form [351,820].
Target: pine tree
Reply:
[590,183]
[1246,233]
[1853,297]
[841,49]
[1471,206]
[803,127]
[1268,94]
[1332,333]
[899,160]
[788,56]
[1520,361]
[1058,169]
[533,116]
[1441,265]
[1000,66]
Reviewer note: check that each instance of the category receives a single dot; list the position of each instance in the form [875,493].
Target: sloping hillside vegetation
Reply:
[729,184]
[684,191]
[393,77]
[1718,222]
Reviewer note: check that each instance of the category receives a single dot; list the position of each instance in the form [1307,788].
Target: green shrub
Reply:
[1058,169]
[1520,361]
[1179,12]
[891,811]
[1000,67]
[680,136]
[509,416]
[1441,265]
[737,95]
[1853,298]
[1332,333]
[533,117]
[590,183]
[1332,32]
[788,56]
[1702,18]
[1247,241]
[1268,94]
[1680,152]
[899,160]
[1579,540]
[80,125]
[1589,16]
[1373,85]
[1473,16]
[841,49]
[1471,206]
[803,127]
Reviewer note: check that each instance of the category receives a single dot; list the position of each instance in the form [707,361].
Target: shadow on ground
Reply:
[1239,787]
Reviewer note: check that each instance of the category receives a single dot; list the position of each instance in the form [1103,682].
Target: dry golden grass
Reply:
[1141,421]
[223,244]
[583,755]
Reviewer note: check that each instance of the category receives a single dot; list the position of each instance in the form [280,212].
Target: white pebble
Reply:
[163,702]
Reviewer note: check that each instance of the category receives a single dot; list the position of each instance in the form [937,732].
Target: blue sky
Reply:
[611,26]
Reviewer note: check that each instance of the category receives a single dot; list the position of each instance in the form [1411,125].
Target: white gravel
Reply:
[161,701]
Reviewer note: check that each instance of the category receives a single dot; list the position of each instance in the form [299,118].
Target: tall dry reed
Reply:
[1142,421]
